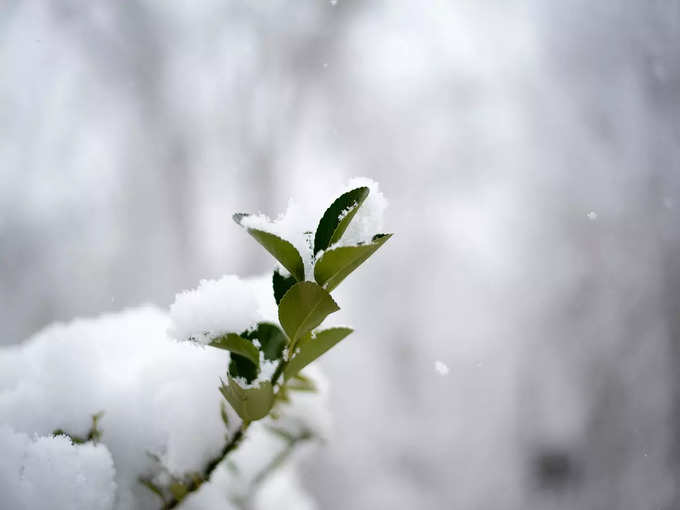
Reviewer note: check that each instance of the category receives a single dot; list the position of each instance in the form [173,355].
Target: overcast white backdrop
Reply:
[530,152]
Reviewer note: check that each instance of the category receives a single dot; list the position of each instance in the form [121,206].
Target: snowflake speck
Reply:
[441,367]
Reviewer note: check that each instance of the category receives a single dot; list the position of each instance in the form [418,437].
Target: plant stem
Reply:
[277,373]
[230,446]
[210,467]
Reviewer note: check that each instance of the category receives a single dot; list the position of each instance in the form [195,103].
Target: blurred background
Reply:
[530,152]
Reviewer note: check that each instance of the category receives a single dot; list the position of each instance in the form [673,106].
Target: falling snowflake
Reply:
[441,367]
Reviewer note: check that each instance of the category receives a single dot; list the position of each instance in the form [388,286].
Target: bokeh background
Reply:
[530,152]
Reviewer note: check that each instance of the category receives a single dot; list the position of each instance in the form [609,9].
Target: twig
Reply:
[196,484]
[197,481]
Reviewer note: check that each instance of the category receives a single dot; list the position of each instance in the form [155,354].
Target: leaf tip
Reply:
[237,217]
[377,237]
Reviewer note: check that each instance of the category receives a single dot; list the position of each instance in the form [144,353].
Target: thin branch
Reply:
[210,467]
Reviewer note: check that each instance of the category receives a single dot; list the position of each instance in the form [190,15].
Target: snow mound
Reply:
[49,472]
[161,413]
[216,307]
[157,398]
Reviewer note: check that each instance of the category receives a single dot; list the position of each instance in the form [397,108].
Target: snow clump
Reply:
[50,472]
[161,414]
[216,307]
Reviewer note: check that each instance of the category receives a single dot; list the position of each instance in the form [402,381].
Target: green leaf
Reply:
[303,308]
[272,340]
[249,403]
[239,345]
[336,264]
[281,284]
[309,351]
[224,415]
[337,217]
[282,250]
[242,367]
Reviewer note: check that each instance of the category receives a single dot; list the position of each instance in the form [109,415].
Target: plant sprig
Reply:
[292,344]
[302,307]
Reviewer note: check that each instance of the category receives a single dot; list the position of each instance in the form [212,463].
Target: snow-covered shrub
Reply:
[115,413]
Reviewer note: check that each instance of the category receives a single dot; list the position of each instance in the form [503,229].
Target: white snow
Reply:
[346,211]
[125,365]
[261,286]
[303,215]
[267,369]
[592,215]
[216,307]
[441,367]
[368,220]
[300,217]
[158,395]
[49,472]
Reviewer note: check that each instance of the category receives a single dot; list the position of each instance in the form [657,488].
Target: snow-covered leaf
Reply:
[336,264]
[282,250]
[310,350]
[303,308]
[337,217]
